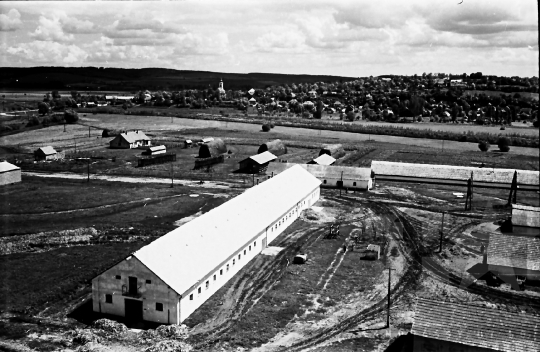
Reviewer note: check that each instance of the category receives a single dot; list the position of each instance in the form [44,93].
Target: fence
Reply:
[156,159]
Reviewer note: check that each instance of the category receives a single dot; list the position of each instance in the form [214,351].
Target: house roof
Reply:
[262,158]
[48,150]
[207,139]
[185,256]
[157,148]
[477,326]
[6,167]
[523,215]
[325,171]
[449,172]
[514,251]
[134,136]
[324,159]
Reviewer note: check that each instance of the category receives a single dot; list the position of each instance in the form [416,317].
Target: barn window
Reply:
[108,298]
[324,181]
[149,282]
[227,267]
[354,183]
[191,297]
[199,290]
[159,307]
[207,284]
[255,244]
[244,252]
[220,271]
[214,277]
[238,256]
[233,262]
[118,277]
[250,248]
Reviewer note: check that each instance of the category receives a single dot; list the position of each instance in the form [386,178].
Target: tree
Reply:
[71,116]
[484,146]
[56,95]
[43,108]
[504,144]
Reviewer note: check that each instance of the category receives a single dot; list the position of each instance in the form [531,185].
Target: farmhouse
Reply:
[454,175]
[9,173]
[276,147]
[525,220]
[171,277]
[448,326]
[352,178]
[257,163]
[47,153]
[130,140]
[324,159]
[158,149]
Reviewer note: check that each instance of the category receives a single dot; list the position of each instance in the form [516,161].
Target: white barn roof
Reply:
[448,172]
[262,158]
[6,167]
[47,150]
[157,148]
[134,136]
[324,159]
[184,256]
[523,215]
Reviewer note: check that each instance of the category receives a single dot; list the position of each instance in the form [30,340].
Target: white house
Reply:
[170,278]
[130,140]
[9,173]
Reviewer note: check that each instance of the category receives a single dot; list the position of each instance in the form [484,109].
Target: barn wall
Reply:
[9,177]
[119,142]
[156,291]
[331,182]
[525,230]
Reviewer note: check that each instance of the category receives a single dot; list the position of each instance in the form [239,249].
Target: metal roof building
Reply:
[257,163]
[168,279]
[464,327]
[458,175]
[9,173]
[323,159]
[514,255]
[131,139]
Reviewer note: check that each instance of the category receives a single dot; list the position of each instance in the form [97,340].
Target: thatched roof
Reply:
[276,147]
[334,150]
[212,148]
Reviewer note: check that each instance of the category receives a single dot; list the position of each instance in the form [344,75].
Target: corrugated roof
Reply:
[5,166]
[262,158]
[48,150]
[134,136]
[449,172]
[514,251]
[523,215]
[157,148]
[478,326]
[325,171]
[185,255]
[324,159]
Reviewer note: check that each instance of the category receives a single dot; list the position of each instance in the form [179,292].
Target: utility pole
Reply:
[88,171]
[388,310]
[88,131]
[341,184]
[441,232]
[172,175]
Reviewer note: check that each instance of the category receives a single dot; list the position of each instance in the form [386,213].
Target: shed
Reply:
[300,259]
[376,249]
[130,140]
[159,149]
[188,143]
[526,220]
[45,153]
[450,326]
[9,173]
[257,163]
[213,148]
[276,147]
[514,255]
[206,140]
[334,150]
[324,159]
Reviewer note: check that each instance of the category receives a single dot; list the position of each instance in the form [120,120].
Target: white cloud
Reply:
[11,21]
[53,53]
[74,25]
[51,30]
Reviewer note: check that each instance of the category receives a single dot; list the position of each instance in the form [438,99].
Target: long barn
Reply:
[170,278]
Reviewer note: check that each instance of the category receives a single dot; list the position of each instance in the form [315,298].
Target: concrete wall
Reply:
[9,177]
[156,291]
[347,183]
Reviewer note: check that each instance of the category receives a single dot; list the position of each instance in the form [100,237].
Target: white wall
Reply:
[347,183]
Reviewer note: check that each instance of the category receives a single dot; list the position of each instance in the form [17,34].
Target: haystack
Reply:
[275,147]
[212,148]
[334,150]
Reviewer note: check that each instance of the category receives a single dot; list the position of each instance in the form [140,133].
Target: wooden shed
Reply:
[276,147]
[158,149]
[257,163]
[9,173]
[212,148]
[47,153]
[334,150]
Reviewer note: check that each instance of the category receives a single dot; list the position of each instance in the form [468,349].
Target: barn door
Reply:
[339,184]
[132,285]
[134,310]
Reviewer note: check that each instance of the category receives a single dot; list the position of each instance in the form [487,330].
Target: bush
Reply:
[504,144]
[265,128]
[484,146]
[34,121]
[71,116]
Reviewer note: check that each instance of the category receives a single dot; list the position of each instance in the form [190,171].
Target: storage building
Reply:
[168,279]
[47,153]
[257,163]
[131,140]
[450,326]
[525,220]
[9,173]
[334,150]
[324,159]
[352,178]
[158,149]
[276,147]
[213,148]
[454,175]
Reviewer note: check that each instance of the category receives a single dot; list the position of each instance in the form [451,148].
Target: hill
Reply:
[119,79]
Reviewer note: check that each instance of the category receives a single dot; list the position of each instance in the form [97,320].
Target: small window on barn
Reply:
[354,183]
[118,277]
[227,267]
[255,244]
[159,307]
[108,298]
[191,297]
[233,262]
[324,181]
[238,256]
[207,284]
[250,247]
[245,252]
[149,282]
[199,290]
[215,277]
[220,271]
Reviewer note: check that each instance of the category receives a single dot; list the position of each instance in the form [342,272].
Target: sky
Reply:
[342,38]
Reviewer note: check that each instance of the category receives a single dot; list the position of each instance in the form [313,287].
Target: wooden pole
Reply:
[88,131]
[88,171]
[441,233]
[388,310]
[172,175]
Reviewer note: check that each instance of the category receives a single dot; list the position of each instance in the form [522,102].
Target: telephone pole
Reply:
[388,310]
[172,175]
[441,232]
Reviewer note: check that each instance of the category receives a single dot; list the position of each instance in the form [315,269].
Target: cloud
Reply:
[369,15]
[148,24]
[47,52]
[51,30]
[10,22]
[73,25]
